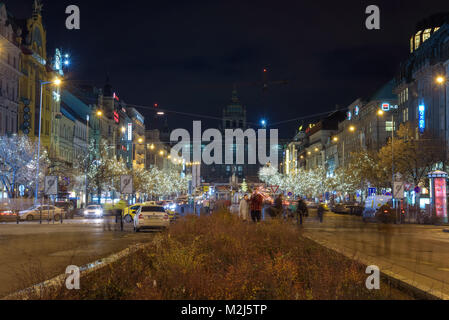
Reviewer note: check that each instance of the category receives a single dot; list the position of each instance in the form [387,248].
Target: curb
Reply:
[418,290]
[84,270]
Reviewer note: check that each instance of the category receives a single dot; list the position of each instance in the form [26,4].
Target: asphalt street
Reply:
[31,253]
[417,253]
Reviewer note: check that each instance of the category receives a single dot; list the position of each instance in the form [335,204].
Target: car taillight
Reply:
[166,217]
[385,211]
[140,216]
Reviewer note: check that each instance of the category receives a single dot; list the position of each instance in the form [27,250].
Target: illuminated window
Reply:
[388,126]
[426,34]
[411,44]
[406,94]
[436,29]
[418,40]
[405,115]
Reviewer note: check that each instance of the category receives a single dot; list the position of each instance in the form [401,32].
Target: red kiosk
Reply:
[438,198]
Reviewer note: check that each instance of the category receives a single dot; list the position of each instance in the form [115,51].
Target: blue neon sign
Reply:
[422,118]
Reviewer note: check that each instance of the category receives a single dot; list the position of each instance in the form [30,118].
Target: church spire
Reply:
[37,8]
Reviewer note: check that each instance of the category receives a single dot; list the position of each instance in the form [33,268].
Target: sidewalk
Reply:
[415,256]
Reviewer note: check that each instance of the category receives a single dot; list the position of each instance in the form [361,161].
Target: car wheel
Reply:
[30,218]
[128,219]
[57,217]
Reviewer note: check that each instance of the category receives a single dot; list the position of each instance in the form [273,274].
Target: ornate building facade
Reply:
[36,69]
[9,73]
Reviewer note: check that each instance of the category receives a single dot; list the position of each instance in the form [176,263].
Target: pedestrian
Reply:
[244,208]
[321,212]
[206,205]
[301,210]
[256,206]
[278,205]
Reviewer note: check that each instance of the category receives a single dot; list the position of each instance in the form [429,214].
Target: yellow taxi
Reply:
[128,213]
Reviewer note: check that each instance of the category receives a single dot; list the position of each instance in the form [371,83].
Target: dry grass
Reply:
[220,257]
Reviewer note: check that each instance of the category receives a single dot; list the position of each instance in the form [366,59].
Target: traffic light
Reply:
[26,125]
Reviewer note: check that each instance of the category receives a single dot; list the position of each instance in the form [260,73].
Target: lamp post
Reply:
[442,81]
[56,82]
[380,113]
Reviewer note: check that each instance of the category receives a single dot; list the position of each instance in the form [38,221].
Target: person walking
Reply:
[206,205]
[321,212]
[256,206]
[301,211]
[278,206]
[244,208]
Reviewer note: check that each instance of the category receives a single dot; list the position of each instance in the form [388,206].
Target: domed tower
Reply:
[234,115]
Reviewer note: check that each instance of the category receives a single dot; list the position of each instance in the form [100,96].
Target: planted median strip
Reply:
[221,257]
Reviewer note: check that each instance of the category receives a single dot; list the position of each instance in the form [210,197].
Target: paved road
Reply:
[417,253]
[31,253]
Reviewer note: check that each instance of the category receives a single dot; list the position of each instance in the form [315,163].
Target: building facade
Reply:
[9,73]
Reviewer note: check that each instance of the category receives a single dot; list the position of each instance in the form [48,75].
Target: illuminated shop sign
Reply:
[356,110]
[116,117]
[422,118]
[386,106]
[349,115]
[130,131]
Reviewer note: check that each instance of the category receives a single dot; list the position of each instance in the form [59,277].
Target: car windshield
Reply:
[94,207]
[153,209]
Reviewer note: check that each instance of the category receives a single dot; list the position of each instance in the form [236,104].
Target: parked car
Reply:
[94,211]
[151,217]
[129,212]
[48,212]
[341,208]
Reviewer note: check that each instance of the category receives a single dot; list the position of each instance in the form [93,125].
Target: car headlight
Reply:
[98,212]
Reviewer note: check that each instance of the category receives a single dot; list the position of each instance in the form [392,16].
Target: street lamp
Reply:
[56,82]
[352,129]
[392,153]
[441,81]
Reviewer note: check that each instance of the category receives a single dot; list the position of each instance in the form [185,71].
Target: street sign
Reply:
[206,188]
[398,190]
[417,189]
[372,191]
[126,185]
[51,186]
[290,194]
[274,188]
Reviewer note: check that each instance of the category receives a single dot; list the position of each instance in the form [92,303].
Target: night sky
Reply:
[186,55]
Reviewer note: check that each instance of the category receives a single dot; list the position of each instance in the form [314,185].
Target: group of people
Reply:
[251,208]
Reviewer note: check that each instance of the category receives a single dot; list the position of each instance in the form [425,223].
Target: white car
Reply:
[48,212]
[151,217]
[93,211]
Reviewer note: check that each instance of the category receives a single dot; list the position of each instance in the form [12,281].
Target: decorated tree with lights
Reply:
[18,163]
